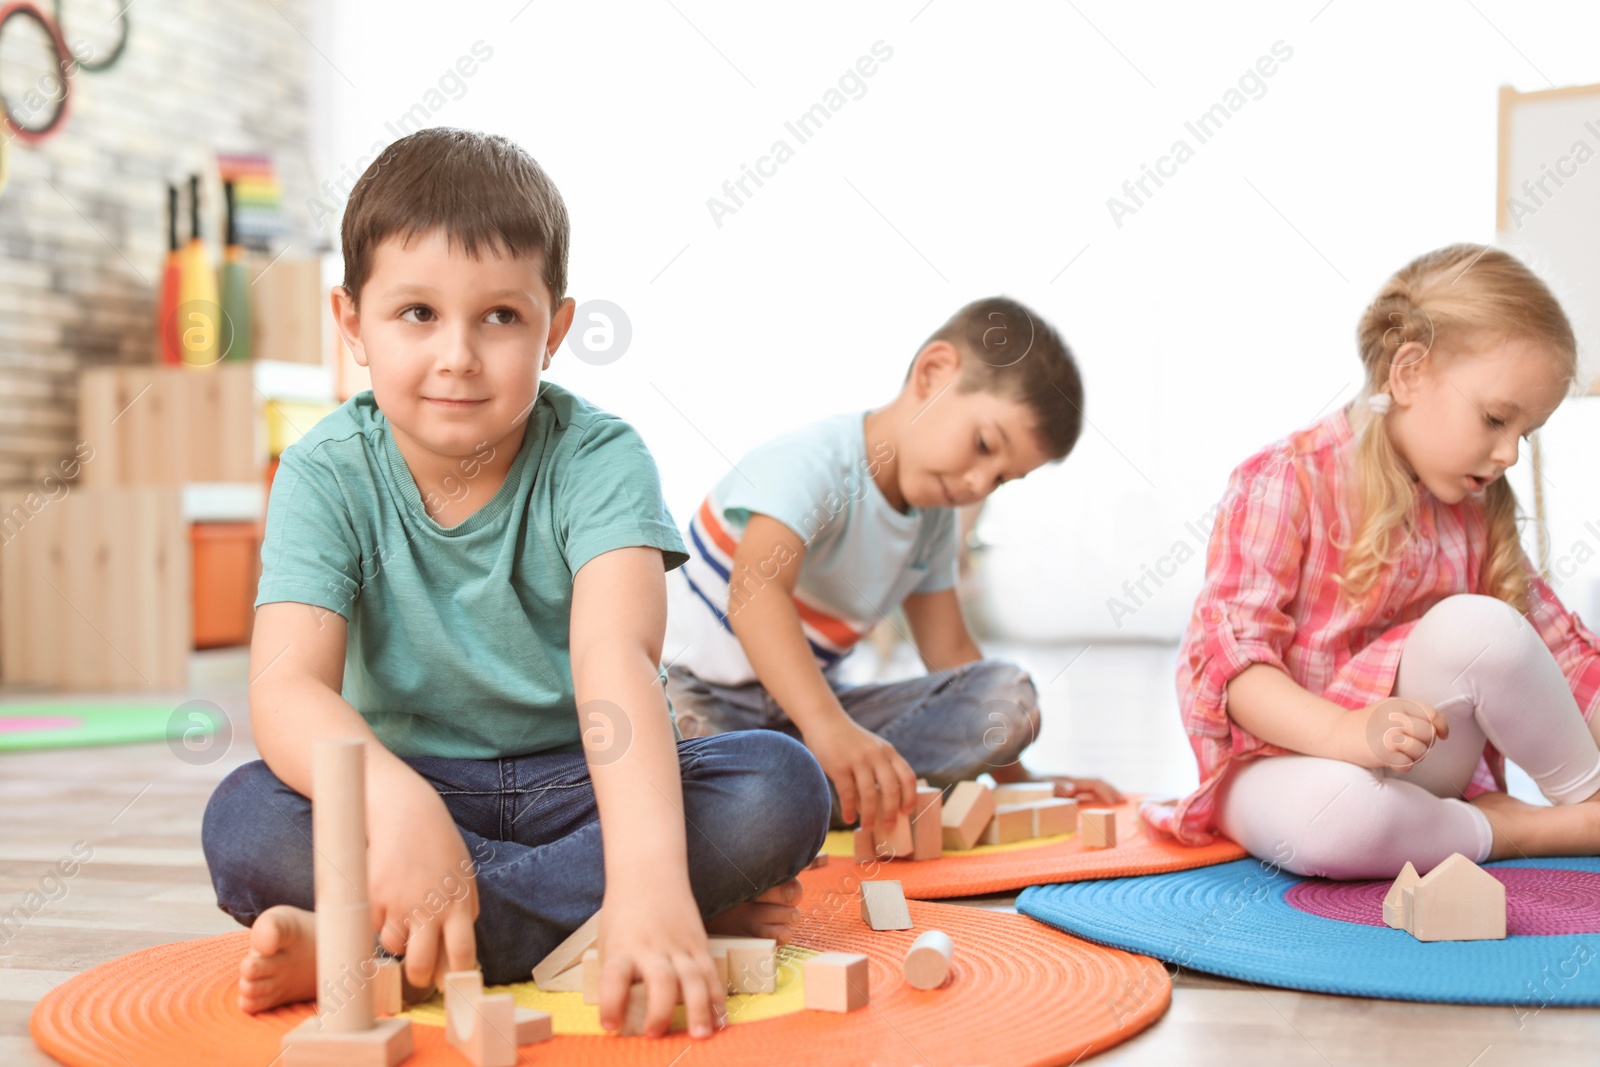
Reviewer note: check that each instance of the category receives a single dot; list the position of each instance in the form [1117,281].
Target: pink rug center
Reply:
[1539,900]
[29,724]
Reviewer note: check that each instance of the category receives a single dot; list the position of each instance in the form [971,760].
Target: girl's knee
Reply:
[1469,631]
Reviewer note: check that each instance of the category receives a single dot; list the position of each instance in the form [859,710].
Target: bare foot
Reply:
[774,914]
[281,966]
[1522,829]
[1077,787]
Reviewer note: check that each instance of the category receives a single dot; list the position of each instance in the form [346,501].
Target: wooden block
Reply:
[590,968]
[965,813]
[345,1030]
[1097,828]
[386,998]
[897,843]
[927,831]
[719,960]
[633,1015]
[883,906]
[862,840]
[532,1026]
[1457,901]
[1011,822]
[385,1045]
[568,981]
[1023,792]
[482,1028]
[591,976]
[821,860]
[752,963]
[927,962]
[1394,913]
[835,981]
[1052,817]
[569,952]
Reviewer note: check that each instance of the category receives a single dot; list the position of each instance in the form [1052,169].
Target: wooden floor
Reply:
[1107,711]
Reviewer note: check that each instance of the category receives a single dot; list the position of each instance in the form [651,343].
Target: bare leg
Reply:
[1080,787]
[1524,830]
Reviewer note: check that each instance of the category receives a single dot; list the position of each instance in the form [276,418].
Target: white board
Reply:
[1548,213]
[1549,201]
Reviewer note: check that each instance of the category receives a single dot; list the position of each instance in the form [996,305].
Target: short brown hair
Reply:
[484,190]
[1009,351]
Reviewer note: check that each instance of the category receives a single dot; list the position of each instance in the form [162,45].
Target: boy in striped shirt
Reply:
[813,537]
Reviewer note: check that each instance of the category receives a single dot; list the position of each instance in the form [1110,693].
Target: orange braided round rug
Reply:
[1020,993]
[1039,861]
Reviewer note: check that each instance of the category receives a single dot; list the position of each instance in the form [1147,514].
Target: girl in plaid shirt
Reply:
[1371,641]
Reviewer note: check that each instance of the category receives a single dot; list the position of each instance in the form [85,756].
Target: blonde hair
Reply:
[1443,300]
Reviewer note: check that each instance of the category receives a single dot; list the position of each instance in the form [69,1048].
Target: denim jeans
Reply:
[948,725]
[755,809]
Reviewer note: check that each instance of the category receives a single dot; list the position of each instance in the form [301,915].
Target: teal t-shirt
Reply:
[458,639]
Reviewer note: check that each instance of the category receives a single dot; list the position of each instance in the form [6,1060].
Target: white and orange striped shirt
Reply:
[862,558]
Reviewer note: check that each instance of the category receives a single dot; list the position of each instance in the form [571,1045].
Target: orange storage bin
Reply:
[227,565]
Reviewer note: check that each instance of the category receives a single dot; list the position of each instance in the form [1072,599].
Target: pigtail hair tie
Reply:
[1379,403]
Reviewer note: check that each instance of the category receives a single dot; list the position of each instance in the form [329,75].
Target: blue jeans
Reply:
[949,725]
[755,808]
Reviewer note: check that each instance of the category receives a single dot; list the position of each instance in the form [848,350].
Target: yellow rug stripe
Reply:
[570,1015]
[842,843]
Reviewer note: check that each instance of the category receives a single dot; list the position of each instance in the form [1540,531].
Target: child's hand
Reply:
[1397,732]
[1093,790]
[658,938]
[869,774]
[421,883]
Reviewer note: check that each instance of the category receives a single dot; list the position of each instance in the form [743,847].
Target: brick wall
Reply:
[83,218]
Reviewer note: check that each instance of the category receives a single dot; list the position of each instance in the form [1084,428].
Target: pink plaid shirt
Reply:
[1269,597]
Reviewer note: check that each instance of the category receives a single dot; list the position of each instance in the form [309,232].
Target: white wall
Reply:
[979,160]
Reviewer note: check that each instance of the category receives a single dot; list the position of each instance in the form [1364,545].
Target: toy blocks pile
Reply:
[977,814]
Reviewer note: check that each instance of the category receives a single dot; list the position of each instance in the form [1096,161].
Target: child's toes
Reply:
[783,893]
[775,920]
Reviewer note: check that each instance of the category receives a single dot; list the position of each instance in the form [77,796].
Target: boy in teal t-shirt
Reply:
[465,568]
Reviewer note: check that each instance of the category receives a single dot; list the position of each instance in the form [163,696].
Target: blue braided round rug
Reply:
[1254,922]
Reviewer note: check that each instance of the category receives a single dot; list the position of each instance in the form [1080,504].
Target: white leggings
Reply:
[1484,667]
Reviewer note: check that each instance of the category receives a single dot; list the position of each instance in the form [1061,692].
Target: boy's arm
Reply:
[944,642]
[652,928]
[940,630]
[297,670]
[868,773]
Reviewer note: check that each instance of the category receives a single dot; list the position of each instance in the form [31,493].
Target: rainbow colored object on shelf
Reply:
[258,198]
